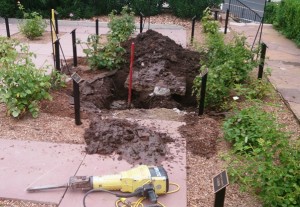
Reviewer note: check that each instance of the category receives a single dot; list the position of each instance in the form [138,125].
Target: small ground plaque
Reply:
[76,77]
[220,181]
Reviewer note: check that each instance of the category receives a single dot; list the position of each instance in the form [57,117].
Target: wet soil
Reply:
[162,78]
[131,141]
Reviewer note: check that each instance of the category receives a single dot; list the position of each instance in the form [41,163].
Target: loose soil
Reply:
[163,78]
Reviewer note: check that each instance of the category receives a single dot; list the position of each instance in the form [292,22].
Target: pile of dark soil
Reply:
[161,65]
[163,74]
[132,142]
[163,77]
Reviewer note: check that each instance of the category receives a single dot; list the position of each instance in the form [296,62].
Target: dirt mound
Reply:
[132,142]
[163,70]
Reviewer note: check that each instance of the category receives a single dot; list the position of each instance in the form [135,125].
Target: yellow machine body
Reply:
[130,180]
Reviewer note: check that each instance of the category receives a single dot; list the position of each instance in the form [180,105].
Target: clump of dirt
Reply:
[201,135]
[132,142]
[162,69]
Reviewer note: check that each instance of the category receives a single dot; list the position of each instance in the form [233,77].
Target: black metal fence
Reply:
[241,12]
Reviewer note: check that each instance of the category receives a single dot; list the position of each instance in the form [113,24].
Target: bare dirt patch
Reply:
[46,38]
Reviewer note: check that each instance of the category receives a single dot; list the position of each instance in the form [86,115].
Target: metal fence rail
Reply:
[241,12]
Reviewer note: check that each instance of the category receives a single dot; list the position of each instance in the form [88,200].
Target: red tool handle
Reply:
[130,74]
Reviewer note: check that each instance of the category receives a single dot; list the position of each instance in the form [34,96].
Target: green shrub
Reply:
[110,56]
[147,7]
[287,20]
[7,8]
[121,26]
[225,69]
[22,85]
[7,48]
[264,161]
[270,12]
[208,23]
[246,127]
[254,89]
[104,56]
[33,24]
[190,8]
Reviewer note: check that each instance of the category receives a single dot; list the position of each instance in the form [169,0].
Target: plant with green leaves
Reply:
[57,80]
[263,160]
[247,126]
[22,85]
[189,8]
[110,55]
[104,56]
[7,48]
[228,64]
[254,89]
[121,26]
[208,23]
[33,25]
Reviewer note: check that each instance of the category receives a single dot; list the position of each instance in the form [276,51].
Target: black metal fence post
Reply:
[216,15]
[262,60]
[220,198]
[57,55]
[226,21]
[97,27]
[141,22]
[202,93]
[7,27]
[76,102]
[74,47]
[193,28]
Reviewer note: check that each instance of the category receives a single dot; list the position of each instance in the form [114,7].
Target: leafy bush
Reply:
[33,24]
[208,23]
[147,7]
[270,12]
[271,169]
[57,80]
[246,127]
[7,48]
[254,89]
[22,86]
[121,27]
[7,8]
[104,56]
[225,69]
[110,56]
[190,8]
[287,21]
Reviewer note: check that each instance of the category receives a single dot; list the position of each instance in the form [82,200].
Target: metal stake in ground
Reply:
[193,28]
[57,55]
[7,27]
[97,27]
[141,22]
[262,60]
[74,47]
[76,80]
[226,21]
[203,91]
[130,75]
